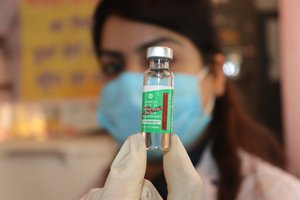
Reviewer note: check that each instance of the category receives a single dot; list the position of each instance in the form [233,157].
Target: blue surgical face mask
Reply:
[121,104]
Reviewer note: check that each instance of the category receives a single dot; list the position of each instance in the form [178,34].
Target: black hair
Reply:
[190,18]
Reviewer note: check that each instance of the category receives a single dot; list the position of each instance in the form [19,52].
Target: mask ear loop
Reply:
[211,104]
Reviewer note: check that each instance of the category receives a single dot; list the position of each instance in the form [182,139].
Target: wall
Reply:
[290,71]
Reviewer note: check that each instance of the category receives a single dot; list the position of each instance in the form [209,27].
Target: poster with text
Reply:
[57,54]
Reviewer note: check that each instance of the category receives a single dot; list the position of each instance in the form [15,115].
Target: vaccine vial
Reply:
[157,108]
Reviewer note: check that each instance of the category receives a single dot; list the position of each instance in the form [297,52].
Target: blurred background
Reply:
[50,82]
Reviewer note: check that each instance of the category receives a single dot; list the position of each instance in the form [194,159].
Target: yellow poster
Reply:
[57,54]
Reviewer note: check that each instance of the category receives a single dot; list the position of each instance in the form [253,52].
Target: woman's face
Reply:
[124,46]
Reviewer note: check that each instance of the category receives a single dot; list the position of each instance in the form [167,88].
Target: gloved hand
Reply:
[126,176]
[182,179]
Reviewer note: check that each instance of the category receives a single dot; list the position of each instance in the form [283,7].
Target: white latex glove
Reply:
[182,179]
[126,176]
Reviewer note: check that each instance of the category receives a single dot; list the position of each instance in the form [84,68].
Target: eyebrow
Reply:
[110,53]
[140,48]
[156,42]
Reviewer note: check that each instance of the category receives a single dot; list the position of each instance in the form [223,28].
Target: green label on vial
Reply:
[157,113]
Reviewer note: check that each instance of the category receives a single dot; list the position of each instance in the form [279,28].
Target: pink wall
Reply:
[290,71]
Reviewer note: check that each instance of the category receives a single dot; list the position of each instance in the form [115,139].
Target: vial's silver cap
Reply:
[159,52]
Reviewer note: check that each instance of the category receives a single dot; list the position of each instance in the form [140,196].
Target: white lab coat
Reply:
[261,181]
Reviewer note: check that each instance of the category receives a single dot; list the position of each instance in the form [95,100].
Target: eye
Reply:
[112,68]
[112,64]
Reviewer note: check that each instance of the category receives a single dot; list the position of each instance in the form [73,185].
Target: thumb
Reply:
[126,176]
[182,179]
[149,192]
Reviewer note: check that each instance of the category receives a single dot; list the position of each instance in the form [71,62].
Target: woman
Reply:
[237,158]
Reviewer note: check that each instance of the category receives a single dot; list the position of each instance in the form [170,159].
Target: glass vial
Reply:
[157,109]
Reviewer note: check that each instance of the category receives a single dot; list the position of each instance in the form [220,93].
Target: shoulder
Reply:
[262,180]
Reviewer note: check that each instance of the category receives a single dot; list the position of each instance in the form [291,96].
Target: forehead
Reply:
[123,34]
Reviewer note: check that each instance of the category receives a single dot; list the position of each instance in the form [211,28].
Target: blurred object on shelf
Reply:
[9,48]
[4,77]
[220,1]
[5,82]
[272,47]
[266,5]
[27,122]
[47,120]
